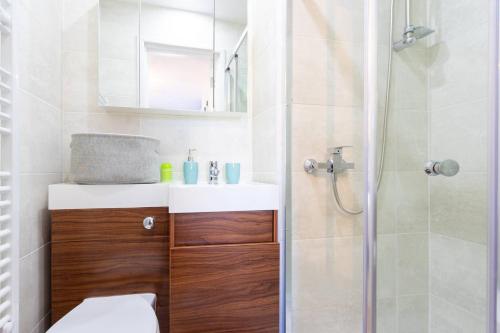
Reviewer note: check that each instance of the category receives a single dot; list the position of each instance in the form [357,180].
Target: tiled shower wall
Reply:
[38,104]
[325,287]
[458,109]
[215,139]
[432,231]
[403,226]
[267,42]
[327,88]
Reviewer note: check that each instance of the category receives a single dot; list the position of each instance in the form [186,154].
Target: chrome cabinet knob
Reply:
[148,222]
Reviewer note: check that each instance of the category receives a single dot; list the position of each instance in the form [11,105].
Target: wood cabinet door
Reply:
[224,288]
[107,252]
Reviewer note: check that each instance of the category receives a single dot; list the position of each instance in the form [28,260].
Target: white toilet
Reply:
[120,314]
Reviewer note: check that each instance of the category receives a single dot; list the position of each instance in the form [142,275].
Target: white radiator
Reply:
[6,166]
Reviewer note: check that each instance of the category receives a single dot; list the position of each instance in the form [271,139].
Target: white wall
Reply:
[38,105]
[215,139]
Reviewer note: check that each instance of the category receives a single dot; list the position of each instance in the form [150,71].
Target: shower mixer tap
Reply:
[335,164]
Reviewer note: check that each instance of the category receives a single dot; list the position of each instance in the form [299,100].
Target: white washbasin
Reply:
[223,197]
[179,198]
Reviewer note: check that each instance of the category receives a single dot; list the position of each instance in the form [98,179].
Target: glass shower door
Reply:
[432,227]
[433,117]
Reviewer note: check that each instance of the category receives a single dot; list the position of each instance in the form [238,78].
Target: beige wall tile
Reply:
[413,264]
[411,135]
[458,68]
[40,135]
[413,314]
[387,319]
[412,202]
[314,211]
[330,20]
[387,267]
[386,203]
[43,325]
[327,72]
[458,273]
[39,46]
[80,86]
[326,273]
[458,206]
[34,215]
[80,25]
[309,138]
[459,132]
[264,146]
[337,319]
[34,288]
[327,285]
[446,317]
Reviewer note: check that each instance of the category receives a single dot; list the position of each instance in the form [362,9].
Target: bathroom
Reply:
[208,166]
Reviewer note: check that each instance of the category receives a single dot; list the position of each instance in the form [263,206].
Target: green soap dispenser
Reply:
[190,169]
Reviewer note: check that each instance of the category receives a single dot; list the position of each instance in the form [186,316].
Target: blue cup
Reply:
[190,169]
[232,173]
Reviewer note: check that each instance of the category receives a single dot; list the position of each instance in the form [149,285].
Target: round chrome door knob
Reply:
[447,168]
[148,222]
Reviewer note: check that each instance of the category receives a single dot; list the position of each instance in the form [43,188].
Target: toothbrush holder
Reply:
[232,173]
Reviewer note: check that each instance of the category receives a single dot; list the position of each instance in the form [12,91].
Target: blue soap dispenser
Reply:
[190,169]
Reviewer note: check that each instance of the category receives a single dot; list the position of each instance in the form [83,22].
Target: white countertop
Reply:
[179,198]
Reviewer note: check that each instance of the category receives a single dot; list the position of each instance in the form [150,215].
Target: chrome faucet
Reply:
[334,165]
[213,173]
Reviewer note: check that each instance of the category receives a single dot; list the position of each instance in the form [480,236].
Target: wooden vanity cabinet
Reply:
[211,272]
[106,252]
[224,272]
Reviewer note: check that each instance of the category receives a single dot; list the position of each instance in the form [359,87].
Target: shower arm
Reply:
[408,13]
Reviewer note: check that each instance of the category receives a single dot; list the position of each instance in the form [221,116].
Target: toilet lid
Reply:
[124,314]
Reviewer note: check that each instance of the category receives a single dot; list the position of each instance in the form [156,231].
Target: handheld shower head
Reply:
[410,36]
[421,32]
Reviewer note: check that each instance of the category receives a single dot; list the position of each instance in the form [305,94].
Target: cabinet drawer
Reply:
[227,288]
[107,224]
[192,229]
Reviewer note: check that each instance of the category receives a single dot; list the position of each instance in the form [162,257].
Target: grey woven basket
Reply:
[114,159]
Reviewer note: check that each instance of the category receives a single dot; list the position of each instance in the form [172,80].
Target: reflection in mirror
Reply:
[118,36]
[236,77]
[230,55]
[176,54]
[185,55]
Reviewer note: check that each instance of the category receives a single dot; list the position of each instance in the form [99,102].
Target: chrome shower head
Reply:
[410,36]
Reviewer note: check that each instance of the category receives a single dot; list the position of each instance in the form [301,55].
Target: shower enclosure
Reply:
[236,77]
[392,166]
